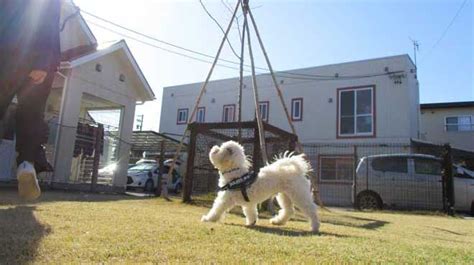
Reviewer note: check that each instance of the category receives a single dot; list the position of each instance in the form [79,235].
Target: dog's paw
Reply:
[251,223]
[204,219]
[276,221]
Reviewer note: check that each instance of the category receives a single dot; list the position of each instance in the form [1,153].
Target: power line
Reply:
[220,27]
[155,39]
[156,46]
[282,74]
[447,28]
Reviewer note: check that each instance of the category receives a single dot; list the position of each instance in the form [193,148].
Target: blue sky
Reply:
[300,34]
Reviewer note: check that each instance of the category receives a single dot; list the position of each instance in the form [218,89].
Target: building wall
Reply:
[396,105]
[105,85]
[433,127]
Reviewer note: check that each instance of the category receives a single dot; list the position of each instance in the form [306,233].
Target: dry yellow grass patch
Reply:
[84,228]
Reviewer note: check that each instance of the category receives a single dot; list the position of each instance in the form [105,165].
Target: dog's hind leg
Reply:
[251,214]
[304,202]
[286,212]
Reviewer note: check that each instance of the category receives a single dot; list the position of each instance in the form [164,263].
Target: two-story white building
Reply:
[373,101]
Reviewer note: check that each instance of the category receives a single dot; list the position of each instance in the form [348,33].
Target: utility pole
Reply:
[416,47]
[139,121]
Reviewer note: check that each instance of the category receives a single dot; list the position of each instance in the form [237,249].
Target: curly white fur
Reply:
[285,176]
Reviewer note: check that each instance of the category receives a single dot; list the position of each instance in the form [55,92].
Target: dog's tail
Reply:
[288,165]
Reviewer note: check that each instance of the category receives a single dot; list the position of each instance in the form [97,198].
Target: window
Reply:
[427,166]
[459,123]
[201,114]
[228,113]
[263,108]
[356,111]
[390,164]
[340,169]
[297,109]
[182,116]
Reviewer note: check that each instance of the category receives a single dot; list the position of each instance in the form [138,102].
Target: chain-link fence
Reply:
[386,175]
[401,175]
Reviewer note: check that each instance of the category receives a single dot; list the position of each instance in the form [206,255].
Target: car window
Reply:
[390,164]
[467,174]
[142,167]
[427,166]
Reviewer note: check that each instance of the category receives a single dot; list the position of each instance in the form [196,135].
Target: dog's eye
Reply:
[229,150]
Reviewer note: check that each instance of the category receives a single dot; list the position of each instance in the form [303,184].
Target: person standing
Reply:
[29,55]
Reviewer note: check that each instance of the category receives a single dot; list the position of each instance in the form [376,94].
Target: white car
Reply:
[145,175]
[409,181]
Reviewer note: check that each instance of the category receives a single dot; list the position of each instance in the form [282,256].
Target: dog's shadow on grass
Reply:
[354,221]
[282,231]
[20,235]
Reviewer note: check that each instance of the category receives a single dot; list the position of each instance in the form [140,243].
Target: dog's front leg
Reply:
[251,214]
[220,206]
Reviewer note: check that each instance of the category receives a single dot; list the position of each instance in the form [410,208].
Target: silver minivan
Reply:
[410,181]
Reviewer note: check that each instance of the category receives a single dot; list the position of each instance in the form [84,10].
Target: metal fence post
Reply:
[448,185]
[354,175]
[97,146]
[162,185]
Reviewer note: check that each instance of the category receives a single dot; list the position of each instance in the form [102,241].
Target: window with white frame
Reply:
[462,123]
[263,108]
[228,113]
[297,109]
[356,111]
[336,168]
[201,114]
[182,116]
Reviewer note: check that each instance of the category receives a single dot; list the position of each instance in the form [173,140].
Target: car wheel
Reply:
[368,201]
[177,189]
[149,186]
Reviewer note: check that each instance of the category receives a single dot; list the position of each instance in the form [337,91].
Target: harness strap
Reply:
[243,190]
[241,183]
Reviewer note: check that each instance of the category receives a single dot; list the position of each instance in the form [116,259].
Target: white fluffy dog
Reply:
[286,176]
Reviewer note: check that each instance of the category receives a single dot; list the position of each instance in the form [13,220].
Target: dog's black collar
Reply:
[242,183]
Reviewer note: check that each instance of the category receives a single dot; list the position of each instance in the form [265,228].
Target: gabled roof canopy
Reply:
[122,47]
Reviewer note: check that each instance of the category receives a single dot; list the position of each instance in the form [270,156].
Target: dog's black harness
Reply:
[242,183]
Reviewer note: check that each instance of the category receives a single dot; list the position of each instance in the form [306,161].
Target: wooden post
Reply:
[97,146]
[256,148]
[261,129]
[241,84]
[188,178]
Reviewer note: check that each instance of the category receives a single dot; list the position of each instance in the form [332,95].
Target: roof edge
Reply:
[444,105]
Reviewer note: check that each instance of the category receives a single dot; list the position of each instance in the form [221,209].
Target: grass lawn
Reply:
[91,228]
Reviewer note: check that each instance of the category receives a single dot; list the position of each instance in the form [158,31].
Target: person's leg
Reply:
[10,82]
[31,131]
